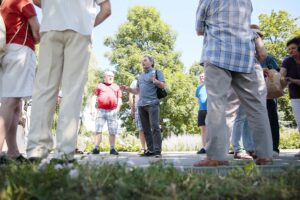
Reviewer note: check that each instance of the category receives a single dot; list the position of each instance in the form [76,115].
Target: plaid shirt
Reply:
[228,41]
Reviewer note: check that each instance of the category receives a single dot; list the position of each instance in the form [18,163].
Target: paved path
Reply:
[184,161]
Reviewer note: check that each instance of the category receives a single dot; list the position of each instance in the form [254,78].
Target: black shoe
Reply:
[113,152]
[77,151]
[201,151]
[95,151]
[4,160]
[148,153]
[34,160]
[157,154]
[21,159]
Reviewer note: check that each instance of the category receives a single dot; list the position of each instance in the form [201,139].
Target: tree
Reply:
[196,69]
[144,33]
[277,28]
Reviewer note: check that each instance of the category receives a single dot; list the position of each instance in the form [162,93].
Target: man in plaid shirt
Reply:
[229,59]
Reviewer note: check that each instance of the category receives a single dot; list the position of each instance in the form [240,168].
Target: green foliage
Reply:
[155,182]
[196,69]
[144,33]
[277,28]
[289,139]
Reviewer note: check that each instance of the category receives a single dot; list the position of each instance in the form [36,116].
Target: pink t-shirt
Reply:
[107,96]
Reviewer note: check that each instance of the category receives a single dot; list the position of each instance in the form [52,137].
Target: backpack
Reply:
[2,36]
[161,93]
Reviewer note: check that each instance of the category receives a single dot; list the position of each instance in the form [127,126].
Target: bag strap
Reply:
[26,34]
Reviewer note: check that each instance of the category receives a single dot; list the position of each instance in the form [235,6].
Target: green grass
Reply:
[156,182]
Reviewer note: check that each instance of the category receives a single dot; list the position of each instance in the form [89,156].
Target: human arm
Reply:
[201,17]
[261,52]
[130,90]
[290,80]
[37,3]
[105,12]
[283,73]
[35,28]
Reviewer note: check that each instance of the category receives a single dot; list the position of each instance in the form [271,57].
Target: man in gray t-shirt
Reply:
[148,104]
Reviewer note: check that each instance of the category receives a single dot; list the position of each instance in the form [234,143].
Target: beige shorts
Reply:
[17,71]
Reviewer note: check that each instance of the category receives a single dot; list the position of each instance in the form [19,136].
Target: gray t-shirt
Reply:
[147,88]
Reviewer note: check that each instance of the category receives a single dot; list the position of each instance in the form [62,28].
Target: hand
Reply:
[289,80]
[266,72]
[124,88]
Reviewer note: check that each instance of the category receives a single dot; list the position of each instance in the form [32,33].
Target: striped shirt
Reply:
[228,41]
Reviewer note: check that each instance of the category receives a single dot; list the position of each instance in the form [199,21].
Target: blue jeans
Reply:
[241,130]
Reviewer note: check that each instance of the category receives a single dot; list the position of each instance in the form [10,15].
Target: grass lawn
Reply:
[74,181]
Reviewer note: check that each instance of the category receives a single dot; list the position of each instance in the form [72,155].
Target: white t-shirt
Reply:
[136,96]
[76,15]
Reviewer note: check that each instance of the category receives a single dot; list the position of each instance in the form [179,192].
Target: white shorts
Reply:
[17,71]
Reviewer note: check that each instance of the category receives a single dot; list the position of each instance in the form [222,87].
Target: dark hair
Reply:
[151,59]
[295,40]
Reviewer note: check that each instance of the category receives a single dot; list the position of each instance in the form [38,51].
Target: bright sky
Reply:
[181,18]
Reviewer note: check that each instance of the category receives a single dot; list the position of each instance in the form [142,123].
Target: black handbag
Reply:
[161,93]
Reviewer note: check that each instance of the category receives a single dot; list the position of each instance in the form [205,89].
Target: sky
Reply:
[181,18]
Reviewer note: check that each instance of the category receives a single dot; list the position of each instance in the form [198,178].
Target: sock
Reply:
[97,147]
[112,147]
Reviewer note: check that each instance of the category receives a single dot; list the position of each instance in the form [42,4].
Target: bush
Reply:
[289,139]
[155,182]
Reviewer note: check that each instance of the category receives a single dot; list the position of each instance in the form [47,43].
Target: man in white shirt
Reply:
[65,48]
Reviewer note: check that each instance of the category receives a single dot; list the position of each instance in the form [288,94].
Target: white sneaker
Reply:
[275,154]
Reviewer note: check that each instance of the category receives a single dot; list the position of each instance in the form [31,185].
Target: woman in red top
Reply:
[17,67]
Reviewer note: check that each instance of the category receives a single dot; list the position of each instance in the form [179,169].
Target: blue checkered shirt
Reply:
[228,38]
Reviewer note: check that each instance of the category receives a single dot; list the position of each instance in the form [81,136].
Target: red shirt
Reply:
[108,96]
[15,14]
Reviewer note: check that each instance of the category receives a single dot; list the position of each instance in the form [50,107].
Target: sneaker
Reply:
[77,151]
[252,154]
[147,153]
[4,160]
[201,151]
[113,152]
[157,154]
[95,151]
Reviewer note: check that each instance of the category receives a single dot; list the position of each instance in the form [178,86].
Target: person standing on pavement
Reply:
[65,50]
[17,67]
[108,103]
[229,61]
[148,105]
[201,95]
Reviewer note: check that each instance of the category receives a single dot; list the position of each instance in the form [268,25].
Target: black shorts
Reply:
[201,117]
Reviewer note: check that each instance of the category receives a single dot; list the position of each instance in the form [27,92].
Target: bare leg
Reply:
[112,140]
[9,116]
[142,139]
[203,135]
[98,138]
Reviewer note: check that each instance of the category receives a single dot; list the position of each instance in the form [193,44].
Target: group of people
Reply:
[233,52]
[64,53]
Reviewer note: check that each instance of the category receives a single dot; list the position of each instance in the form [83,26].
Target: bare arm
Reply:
[35,28]
[261,52]
[130,99]
[283,75]
[119,104]
[37,3]
[130,90]
[105,12]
